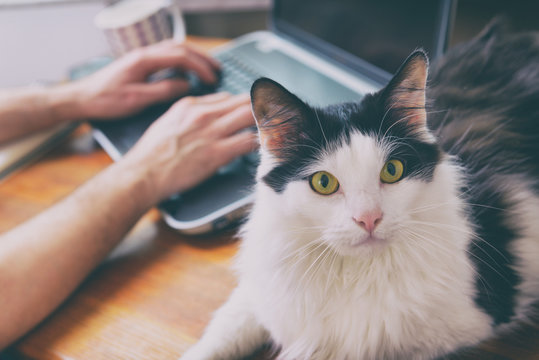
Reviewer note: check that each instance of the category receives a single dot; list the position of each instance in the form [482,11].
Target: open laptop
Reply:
[323,51]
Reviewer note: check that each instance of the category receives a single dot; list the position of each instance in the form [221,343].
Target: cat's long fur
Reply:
[456,255]
[489,117]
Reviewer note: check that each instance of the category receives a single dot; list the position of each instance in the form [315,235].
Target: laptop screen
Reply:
[373,34]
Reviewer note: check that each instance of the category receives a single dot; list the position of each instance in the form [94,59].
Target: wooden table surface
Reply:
[153,297]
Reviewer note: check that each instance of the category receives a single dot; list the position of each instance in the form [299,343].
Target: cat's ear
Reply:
[405,95]
[279,115]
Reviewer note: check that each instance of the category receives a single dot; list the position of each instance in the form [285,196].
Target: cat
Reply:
[398,227]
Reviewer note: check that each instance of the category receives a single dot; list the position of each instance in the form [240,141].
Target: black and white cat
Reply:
[383,230]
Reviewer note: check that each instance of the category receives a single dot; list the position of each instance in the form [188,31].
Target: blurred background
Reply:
[41,39]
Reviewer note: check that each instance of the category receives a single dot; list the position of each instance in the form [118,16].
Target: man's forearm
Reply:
[43,261]
[23,111]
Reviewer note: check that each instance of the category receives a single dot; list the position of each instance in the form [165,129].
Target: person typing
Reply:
[186,145]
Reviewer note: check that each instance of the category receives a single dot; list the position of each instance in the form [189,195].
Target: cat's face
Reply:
[350,176]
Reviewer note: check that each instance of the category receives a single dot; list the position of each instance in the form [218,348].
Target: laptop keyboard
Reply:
[236,77]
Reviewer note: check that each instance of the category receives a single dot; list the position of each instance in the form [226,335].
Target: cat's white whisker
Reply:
[470,233]
[384,117]
[405,118]
[429,207]
[320,124]
[330,271]
[431,238]
[469,252]
[305,255]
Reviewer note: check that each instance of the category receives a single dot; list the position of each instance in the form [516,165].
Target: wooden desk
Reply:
[153,299]
[148,302]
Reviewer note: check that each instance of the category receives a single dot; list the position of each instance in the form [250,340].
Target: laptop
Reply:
[323,51]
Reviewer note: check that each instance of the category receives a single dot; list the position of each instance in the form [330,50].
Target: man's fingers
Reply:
[233,146]
[237,119]
[203,69]
[183,58]
[161,90]
[216,66]
[211,98]
[206,111]
[221,108]
[167,44]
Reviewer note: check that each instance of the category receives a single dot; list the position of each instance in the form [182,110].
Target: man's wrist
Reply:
[64,102]
[135,180]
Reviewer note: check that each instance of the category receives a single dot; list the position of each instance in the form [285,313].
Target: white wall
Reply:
[40,40]
[41,43]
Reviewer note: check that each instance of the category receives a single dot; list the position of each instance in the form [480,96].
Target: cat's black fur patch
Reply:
[490,252]
[485,94]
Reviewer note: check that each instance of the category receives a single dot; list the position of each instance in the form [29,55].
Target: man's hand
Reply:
[189,143]
[120,89]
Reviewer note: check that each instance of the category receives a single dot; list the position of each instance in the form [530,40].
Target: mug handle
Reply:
[178,25]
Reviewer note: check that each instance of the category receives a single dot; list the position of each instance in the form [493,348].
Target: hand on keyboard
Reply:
[191,141]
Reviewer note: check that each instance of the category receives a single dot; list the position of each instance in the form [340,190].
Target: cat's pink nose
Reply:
[369,220]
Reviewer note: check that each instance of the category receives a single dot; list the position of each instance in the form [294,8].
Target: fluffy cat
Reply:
[381,230]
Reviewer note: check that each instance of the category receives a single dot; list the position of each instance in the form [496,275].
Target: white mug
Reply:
[129,24]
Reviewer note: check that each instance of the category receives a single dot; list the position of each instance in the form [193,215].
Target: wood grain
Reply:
[149,300]
[155,294]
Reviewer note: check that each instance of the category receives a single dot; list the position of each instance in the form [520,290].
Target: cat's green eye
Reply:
[392,171]
[324,183]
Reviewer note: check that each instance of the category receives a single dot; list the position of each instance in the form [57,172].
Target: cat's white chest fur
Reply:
[334,308]
[318,304]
